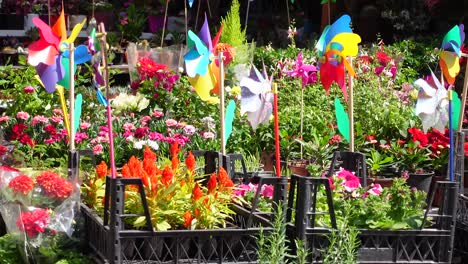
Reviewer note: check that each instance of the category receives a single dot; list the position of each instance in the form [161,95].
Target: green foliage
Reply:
[301,252]
[8,251]
[232,32]
[343,242]
[135,23]
[272,248]
[378,162]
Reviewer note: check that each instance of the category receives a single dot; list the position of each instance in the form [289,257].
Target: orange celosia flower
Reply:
[167,176]
[101,170]
[175,162]
[174,149]
[211,185]
[190,162]
[197,193]
[228,51]
[188,218]
[224,179]
[148,154]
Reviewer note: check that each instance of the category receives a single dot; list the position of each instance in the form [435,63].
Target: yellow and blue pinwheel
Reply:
[450,53]
[336,43]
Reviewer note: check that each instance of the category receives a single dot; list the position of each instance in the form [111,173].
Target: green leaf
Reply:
[163,226]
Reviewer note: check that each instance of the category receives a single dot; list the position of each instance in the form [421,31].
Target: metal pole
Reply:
[221,102]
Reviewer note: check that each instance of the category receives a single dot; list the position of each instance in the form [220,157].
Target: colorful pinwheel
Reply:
[202,73]
[304,71]
[336,43]
[50,54]
[95,49]
[432,104]
[451,51]
[256,98]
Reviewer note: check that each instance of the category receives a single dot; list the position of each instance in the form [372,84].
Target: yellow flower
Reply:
[235,91]
[212,100]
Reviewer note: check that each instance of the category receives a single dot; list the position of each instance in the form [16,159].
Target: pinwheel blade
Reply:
[78,106]
[50,75]
[342,119]
[229,119]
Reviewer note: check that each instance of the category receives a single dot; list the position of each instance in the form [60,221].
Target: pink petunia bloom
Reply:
[22,115]
[39,119]
[267,191]
[171,122]
[351,182]
[241,190]
[376,189]
[98,149]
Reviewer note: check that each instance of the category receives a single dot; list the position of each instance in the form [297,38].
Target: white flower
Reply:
[139,144]
[152,144]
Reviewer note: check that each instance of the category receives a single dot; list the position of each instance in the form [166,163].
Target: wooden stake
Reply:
[165,20]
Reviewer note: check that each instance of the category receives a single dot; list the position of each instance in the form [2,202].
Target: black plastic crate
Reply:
[426,245]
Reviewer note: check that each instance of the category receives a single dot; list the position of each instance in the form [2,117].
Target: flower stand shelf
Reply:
[425,245]
[113,243]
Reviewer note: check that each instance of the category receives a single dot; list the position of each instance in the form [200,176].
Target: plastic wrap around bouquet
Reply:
[38,208]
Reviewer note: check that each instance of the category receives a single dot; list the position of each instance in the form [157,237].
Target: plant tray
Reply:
[234,244]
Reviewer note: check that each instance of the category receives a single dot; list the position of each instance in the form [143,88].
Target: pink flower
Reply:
[181,125]
[156,136]
[56,119]
[50,140]
[145,119]
[267,191]
[241,190]
[128,126]
[28,89]
[171,122]
[22,115]
[4,118]
[98,149]
[39,119]
[375,190]
[57,112]
[351,182]
[189,130]
[158,114]
[208,135]
[80,136]
[85,125]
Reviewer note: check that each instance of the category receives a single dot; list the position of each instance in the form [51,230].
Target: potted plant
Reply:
[31,9]
[381,168]
[77,11]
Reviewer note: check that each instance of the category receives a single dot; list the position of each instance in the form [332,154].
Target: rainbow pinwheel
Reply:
[304,71]
[336,43]
[50,54]
[432,104]
[95,49]
[202,73]
[451,51]
[256,98]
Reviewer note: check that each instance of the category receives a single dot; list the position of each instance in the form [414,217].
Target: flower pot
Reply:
[383,181]
[420,181]
[299,167]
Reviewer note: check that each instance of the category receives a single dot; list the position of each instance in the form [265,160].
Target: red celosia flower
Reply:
[188,218]
[190,162]
[197,193]
[175,162]
[224,179]
[101,170]
[21,184]
[418,135]
[148,154]
[174,149]
[167,176]
[33,223]
[53,185]
[211,185]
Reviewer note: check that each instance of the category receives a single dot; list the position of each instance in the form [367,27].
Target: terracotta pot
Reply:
[299,167]
[384,182]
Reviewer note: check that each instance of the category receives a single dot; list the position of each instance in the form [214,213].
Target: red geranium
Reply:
[33,223]
[21,184]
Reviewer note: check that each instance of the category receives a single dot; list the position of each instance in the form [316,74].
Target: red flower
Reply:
[175,162]
[371,139]
[197,193]
[190,162]
[148,154]
[383,58]
[53,185]
[167,176]
[3,150]
[174,149]
[418,135]
[21,184]
[334,140]
[188,218]
[147,68]
[101,170]
[224,179]
[141,132]
[211,185]
[33,223]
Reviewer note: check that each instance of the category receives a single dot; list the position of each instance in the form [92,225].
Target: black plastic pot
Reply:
[421,181]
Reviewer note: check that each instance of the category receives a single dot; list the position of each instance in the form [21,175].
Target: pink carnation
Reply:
[22,115]
[85,125]
[57,111]
[208,135]
[158,114]
[171,122]
[98,149]
[189,130]
[4,118]
[39,119]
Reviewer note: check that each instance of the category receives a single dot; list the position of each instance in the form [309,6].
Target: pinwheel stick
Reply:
[464,93]
[451,154]
[302,120]
[71,97]
[186,23]
[277,140]
[351,111]
[221,101]
[164,24]
[103,41]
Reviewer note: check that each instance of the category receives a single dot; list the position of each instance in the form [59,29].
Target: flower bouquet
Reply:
[38,209]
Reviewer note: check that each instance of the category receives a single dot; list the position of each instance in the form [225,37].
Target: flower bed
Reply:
[424,245]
